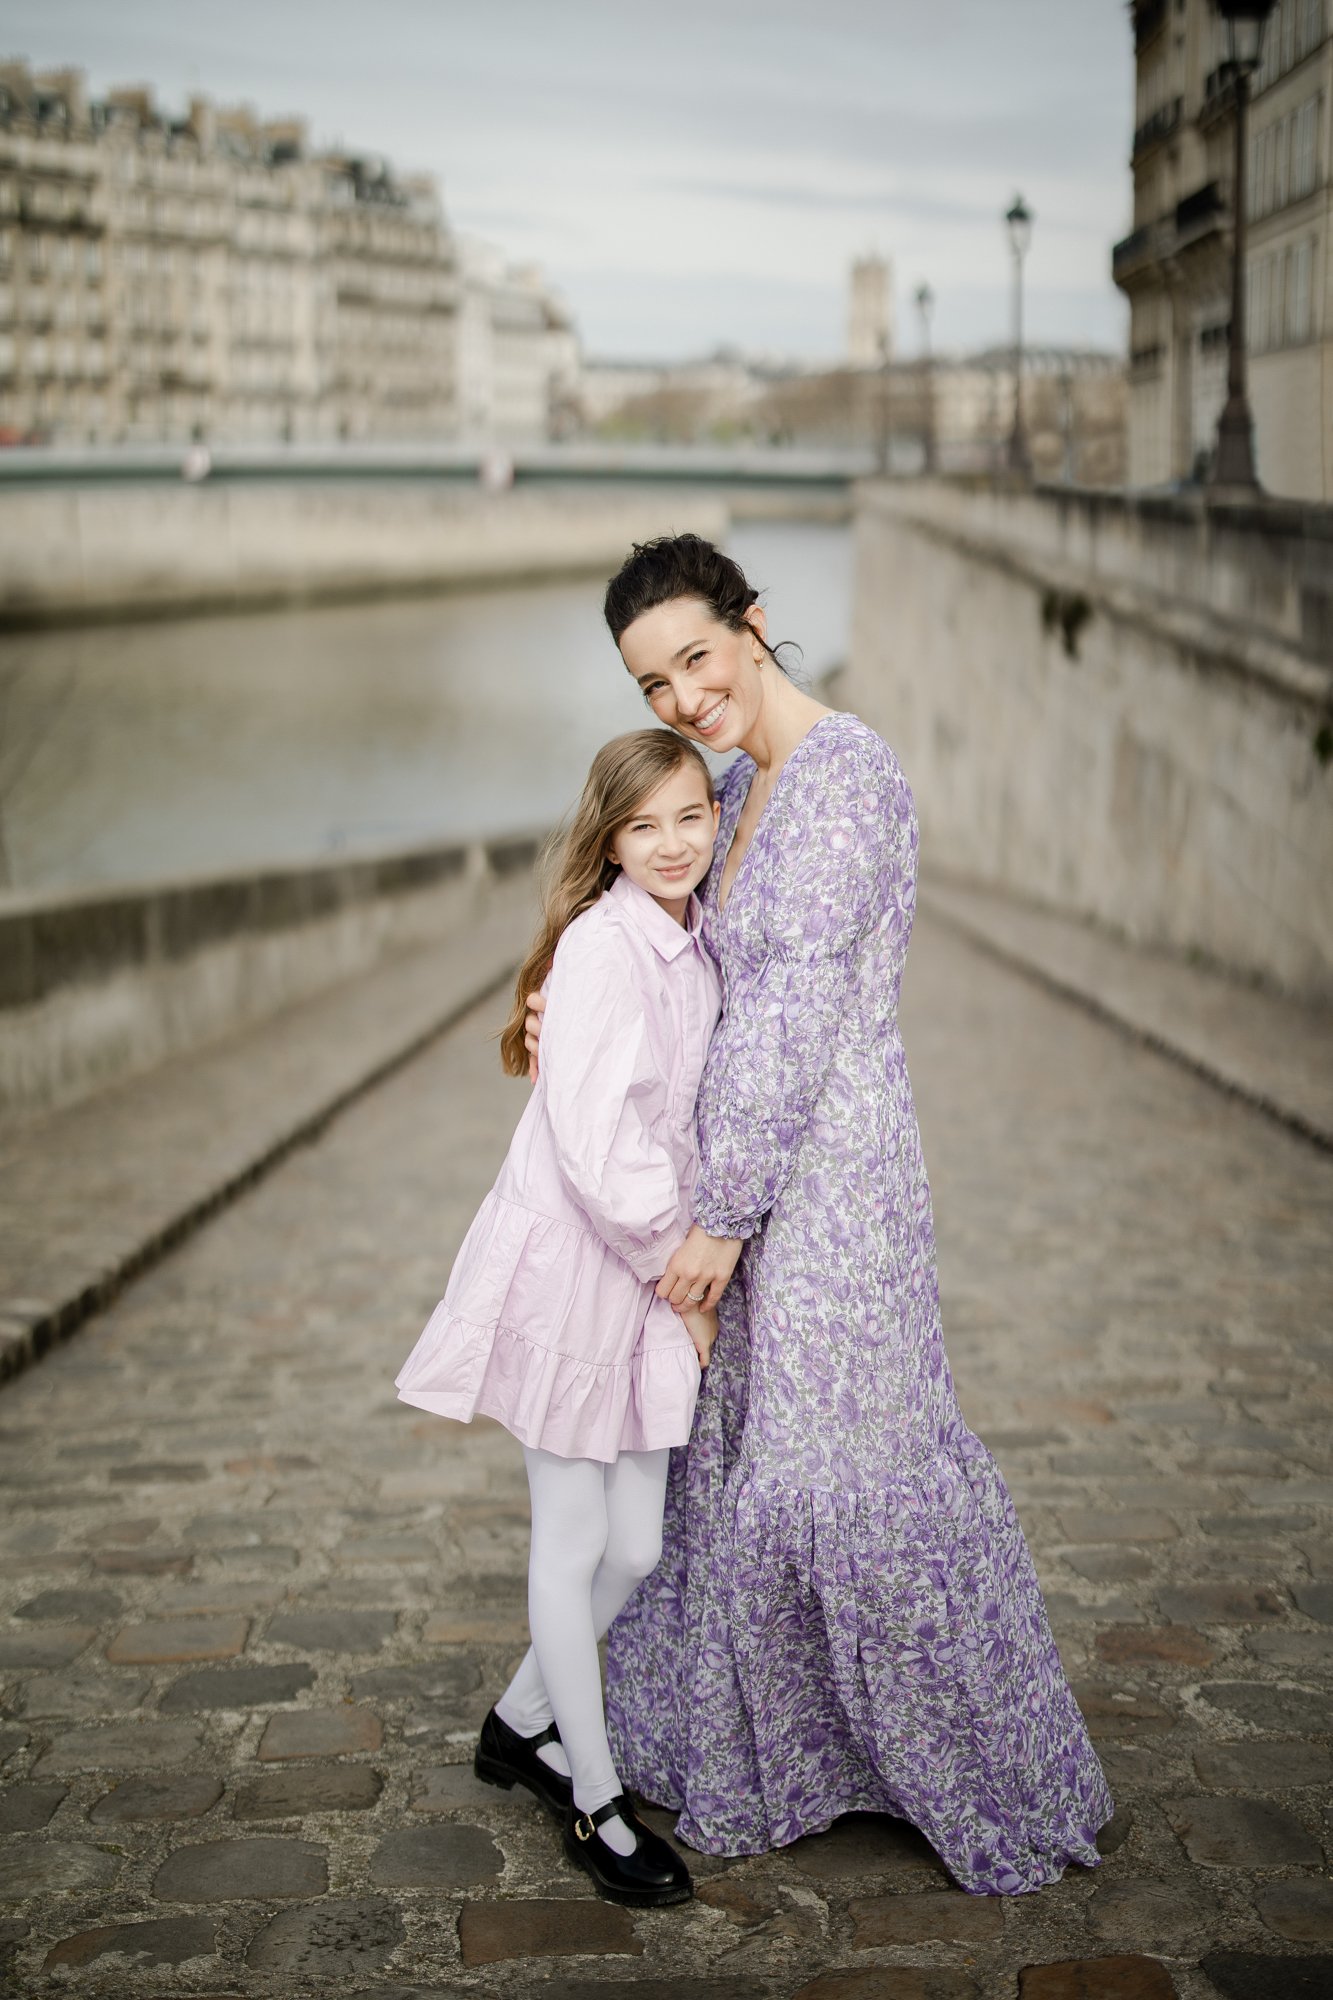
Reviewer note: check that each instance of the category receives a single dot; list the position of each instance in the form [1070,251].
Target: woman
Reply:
[846,1616]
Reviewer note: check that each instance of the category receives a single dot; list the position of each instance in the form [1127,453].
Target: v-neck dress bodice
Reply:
[846,1617]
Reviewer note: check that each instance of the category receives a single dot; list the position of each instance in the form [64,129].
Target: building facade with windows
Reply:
[507,317]
[212,277]
[1175,266]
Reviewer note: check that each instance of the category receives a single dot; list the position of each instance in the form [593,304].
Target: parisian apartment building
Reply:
[1175,266]
[212,277]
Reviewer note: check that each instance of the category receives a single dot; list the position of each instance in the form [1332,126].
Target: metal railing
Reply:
[521,465]
[1158,126]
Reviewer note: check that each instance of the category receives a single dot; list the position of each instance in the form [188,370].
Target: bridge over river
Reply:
[252,1609]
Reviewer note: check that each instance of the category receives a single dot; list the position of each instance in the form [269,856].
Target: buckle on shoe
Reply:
[583,1827]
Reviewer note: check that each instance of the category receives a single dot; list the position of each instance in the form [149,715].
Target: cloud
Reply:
[881,201]
[698,156]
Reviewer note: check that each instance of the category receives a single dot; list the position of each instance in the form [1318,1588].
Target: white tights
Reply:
[596,1533]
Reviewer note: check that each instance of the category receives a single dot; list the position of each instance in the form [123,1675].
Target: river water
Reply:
[134,752]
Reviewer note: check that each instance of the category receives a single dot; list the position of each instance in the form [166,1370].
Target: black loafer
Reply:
[507,1759]
[652,1875]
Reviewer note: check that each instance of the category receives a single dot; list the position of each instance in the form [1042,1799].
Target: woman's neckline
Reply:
[723,904]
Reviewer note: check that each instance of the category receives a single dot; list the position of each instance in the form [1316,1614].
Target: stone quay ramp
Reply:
[254,1609]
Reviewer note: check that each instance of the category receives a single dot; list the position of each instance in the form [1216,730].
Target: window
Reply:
[1269,56]
[1304,150]
[1281,159]
[1300,265]
[1277,298]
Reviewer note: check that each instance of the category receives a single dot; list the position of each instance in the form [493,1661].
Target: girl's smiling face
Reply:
[697,675]
[667,846]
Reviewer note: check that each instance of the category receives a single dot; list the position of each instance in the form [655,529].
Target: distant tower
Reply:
[870,313]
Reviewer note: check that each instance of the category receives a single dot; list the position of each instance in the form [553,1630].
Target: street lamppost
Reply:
[925,305]
[1233,461]
[1019,218]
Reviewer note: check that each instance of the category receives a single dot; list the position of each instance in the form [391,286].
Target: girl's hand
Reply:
[700,1271]
[701,1326]
[532,1031]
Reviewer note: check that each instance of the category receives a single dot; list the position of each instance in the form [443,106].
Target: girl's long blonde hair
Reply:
[574,869]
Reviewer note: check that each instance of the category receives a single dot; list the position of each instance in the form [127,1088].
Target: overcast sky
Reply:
[692,172]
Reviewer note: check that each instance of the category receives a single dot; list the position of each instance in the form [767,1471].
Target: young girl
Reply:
[550,1322]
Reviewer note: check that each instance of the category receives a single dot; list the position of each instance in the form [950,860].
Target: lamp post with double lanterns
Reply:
[1018,216]
[925,305]
[1233,460]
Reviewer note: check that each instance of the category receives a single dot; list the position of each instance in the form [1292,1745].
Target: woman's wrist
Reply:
[720,1234]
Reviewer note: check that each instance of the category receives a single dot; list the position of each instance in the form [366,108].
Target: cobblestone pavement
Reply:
[253,1608]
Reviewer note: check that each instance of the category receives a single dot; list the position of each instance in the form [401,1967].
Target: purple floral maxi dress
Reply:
[846,1616]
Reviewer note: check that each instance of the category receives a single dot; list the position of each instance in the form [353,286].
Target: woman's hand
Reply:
[701,1326]
[700,1271]
[532,1031]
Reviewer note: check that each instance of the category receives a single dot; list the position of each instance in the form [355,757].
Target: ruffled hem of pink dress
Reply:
[556,1402]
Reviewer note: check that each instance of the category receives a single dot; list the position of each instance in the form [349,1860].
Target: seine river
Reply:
[133,752]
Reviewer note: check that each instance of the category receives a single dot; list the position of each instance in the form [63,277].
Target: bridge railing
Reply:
[475,464]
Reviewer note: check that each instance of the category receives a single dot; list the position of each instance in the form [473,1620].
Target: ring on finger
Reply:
[697,1298]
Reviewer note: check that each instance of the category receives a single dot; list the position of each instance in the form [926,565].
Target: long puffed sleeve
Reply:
[603,1088]
[841,864]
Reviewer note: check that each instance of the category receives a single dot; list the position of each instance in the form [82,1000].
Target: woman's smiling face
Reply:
[697,675]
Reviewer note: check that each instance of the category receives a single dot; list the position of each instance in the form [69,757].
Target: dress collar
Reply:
[664,934]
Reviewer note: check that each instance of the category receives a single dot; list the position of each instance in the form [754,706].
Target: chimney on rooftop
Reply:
[203,122]
[238,119]
[16,80]
[136,98]
[70,85]
[286,132]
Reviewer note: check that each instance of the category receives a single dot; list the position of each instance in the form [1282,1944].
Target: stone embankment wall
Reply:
[97,987]
[89,551]
[1120,708]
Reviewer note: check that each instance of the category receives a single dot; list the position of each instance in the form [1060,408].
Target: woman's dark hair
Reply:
[674,566]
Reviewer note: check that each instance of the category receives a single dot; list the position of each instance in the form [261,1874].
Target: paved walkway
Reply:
[99,1189]
[1271,1051]
[254,1608]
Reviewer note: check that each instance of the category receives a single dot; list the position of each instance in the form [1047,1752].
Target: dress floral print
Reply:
[846,1616]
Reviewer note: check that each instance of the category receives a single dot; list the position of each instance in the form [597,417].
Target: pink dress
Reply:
[550,1322]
